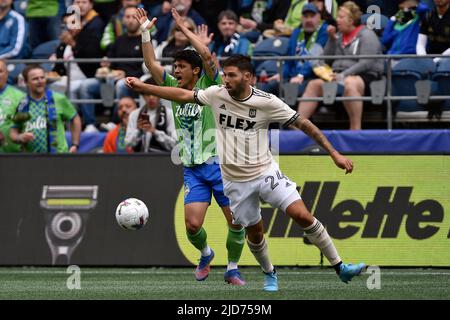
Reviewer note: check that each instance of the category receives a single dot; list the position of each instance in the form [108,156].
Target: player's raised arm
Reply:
[317,135]
[170,93]
[199,42]
[148,51]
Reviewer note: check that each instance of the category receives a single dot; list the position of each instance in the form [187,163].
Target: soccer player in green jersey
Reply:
[10,98]
[195,129]
[39,119]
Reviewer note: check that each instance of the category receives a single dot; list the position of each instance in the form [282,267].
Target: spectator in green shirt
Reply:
[10,98]
[39,119]
[115,26]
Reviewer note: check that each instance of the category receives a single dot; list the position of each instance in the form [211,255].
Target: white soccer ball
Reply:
[132,214]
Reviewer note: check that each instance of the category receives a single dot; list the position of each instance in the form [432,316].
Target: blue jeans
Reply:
[44,29]
[90,89]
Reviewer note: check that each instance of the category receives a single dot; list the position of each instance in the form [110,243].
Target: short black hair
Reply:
[242,62]
[191,57]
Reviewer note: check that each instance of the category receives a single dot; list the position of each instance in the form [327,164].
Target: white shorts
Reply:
[272,187]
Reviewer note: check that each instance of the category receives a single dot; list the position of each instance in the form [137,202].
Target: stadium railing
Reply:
[388,97]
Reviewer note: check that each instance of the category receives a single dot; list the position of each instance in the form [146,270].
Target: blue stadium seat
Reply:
[422,68]
[269,65]
[277,46]
[405,74]
[14,71]
[44,51]
[20,6]
[442,78]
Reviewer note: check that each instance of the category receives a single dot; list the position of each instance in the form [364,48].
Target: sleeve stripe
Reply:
[196,97]
[291,120]
[20,37]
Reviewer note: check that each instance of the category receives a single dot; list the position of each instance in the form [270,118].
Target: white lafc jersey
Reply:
[242,135]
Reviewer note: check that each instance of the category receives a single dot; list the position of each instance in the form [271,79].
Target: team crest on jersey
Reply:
[7,102]
[252,113]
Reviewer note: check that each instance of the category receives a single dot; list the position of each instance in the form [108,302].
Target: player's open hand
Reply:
[141,16]
[176,16]
[202,33]
[342,162]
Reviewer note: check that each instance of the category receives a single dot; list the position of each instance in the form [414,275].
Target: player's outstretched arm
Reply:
[148,51]
[317,135]
[170,93]
[199,42]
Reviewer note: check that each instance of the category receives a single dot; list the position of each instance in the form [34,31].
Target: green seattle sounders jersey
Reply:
[195,124]
[10,98]
[38,123]
[42,8]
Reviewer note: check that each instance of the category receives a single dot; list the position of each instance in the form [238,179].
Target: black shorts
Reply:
[367,79]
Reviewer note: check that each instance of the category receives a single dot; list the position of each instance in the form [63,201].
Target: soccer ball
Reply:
[132,214]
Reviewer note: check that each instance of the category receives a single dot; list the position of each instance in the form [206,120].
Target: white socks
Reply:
[319,236]
[206,251]
[261,254]
[232,265]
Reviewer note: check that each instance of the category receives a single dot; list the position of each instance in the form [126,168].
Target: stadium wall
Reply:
[394,210]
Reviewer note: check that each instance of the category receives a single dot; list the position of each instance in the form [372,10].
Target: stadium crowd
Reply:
[33,105]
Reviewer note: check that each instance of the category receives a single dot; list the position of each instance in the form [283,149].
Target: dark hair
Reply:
[128,7]
[28,68]
[243,63]
[230,15]
[191,57]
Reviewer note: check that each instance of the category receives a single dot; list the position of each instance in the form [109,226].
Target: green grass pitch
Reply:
[179,284]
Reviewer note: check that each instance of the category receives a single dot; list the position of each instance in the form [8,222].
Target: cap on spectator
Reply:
[309,7]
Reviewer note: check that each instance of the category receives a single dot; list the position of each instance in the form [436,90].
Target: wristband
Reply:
[146,36]
[143,26]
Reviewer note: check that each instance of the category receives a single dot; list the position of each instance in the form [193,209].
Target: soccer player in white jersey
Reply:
[243,115]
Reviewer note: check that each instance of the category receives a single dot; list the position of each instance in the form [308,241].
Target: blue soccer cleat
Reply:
[234,277]
[271,281]
[203,268]
[348,271]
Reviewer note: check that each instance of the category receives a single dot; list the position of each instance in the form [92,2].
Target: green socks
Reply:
[235,244]
[198,239]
